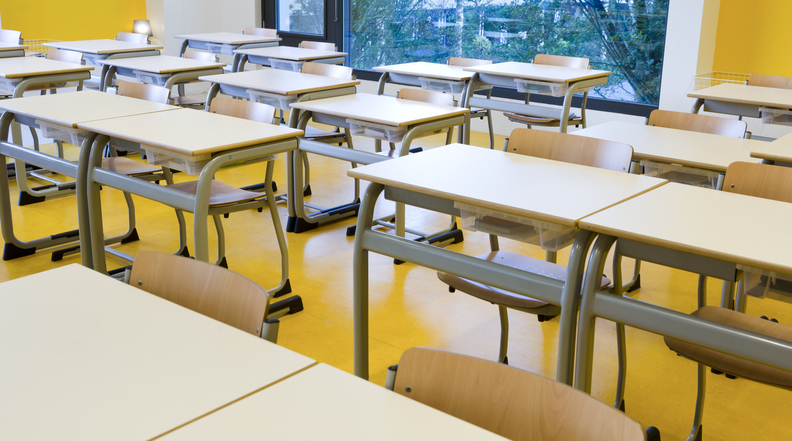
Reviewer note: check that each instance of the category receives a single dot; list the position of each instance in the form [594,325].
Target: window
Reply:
[626,37]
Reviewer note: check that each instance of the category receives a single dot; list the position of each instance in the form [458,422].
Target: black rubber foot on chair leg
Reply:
[12,251]
[27,199]
[652,434]
[544,318]
[700,434]
[274,187]
[298,225]
[223,263]
[622,406]
[397,262]
[58,255]
[716,372]
[731,377]
[451,289]
[184,252]
[283,291]
[636,285]
[133,237]
[505,360]
[307,191]
[350,231]
[225,215]
[294,304]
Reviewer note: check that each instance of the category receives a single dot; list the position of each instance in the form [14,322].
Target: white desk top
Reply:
[87,357]
[740,93]
[429,70]
[69,109]
[510,183]
[20,67]
[328,404]
[691,149]
[100,47]
[778,150]
[380,109]
[161,64]
[12,47]
[538,72]
[291,53]
[190,132]
[227,38]
[741,229]
[280,82]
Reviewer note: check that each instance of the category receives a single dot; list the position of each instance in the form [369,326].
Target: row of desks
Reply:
[88,357]
[654,220]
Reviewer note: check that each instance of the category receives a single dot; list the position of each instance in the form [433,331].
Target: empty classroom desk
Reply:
[679,155]
[432,76]
[741,99]
[323,402]
[375,116]
[225,43]
[193,141]
[746,233]
[162,70]
[778,150]
[497,184]
[95,50]
[287,57]
[88,357]
[59,114]
[543,79]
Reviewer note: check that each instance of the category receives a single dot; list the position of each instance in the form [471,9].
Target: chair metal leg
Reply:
[621,382]
[504,334]
[220,239]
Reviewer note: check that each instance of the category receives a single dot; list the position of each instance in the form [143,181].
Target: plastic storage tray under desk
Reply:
[680,174]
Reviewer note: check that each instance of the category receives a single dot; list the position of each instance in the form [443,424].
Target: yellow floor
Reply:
[410,307]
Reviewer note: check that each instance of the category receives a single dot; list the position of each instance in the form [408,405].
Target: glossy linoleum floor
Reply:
[411,307]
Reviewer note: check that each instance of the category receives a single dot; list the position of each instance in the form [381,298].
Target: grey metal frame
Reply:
[93,59]
[550,290]
[198,204]
[265,61]
[173,79]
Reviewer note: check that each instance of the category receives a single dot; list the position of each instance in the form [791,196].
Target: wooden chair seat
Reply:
[506,298]
[528,119]
[729,363]
[129,167]
[222,194]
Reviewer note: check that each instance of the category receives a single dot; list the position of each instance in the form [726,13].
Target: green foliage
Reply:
[626,37]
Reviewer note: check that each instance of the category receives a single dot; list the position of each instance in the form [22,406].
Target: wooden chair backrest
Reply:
[260,32]
[563,147]
[318,45]
[770,81]
[561,60]
[465,62]
[148,92]
[10,37]
[327,70]
[508,401]
[204,288]
[64,55]
[759,180]
[201,56]
[698,123]
[131,37]
[243,109]
[426,96]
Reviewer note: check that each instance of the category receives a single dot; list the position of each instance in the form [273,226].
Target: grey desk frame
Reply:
[198,204]
[550,290]
[235,64]
[11,53]
[265,61]
[299,219]
[173,79]
[482,79]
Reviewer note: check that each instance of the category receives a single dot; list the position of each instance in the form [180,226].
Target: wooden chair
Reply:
[558,147]
[533,120]
[318,45]
[694,122]
[757,180]
[207,289]
[770,81]
[225,199]
[477,112]
[131,37]
[260,32]
[185,101]
[510,402]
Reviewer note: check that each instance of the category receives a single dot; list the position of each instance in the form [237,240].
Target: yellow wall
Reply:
[754,37]
[71,19]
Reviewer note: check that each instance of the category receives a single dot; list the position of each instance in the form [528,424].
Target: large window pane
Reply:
[301,16]
[626,37]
